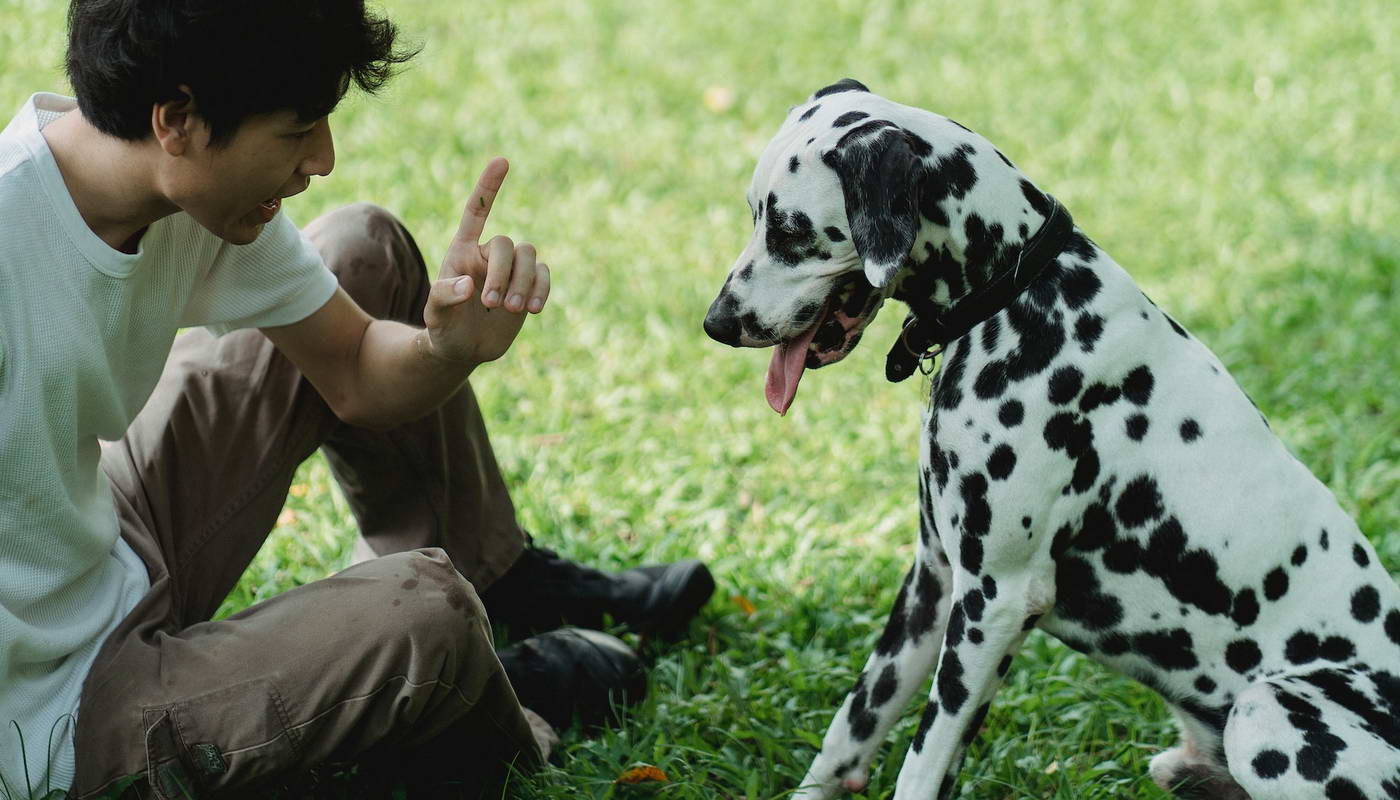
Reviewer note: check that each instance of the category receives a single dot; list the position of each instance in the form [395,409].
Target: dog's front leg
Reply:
[987,623]
[903,658]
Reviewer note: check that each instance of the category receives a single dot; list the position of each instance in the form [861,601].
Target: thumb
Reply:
[447,292]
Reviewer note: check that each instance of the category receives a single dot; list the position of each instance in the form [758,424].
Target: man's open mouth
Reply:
[831,337]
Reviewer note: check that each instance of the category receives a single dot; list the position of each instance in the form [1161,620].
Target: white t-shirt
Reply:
[84,334]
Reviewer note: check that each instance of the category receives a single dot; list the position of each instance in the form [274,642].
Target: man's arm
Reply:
[378,373]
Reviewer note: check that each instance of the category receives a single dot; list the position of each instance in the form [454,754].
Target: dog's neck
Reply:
[948,297]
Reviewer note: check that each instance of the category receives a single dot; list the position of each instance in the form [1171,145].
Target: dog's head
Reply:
[840,198]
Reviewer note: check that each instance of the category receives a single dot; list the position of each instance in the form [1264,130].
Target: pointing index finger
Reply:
[479,204]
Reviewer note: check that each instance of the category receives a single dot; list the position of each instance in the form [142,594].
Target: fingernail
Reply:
[516,301]
[459,286]
[492,296]
[536,305]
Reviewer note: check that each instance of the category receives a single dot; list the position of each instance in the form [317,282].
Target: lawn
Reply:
[1242,163]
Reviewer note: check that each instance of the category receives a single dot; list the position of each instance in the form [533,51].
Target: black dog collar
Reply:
[928,331]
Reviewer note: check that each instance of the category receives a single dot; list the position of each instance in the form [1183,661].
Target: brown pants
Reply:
[392,654]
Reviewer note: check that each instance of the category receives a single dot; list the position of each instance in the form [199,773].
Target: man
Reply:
[151,204]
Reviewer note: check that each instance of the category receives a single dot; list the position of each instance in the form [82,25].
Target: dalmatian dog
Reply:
[1088,467]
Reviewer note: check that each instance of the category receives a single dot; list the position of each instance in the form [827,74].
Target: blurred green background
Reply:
[1239,158]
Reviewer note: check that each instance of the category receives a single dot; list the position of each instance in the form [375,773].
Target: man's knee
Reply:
[375,259]
[430,597]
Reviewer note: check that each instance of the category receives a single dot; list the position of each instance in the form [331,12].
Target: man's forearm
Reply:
[399,378]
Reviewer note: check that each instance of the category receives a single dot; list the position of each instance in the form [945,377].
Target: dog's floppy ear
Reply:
[880,168]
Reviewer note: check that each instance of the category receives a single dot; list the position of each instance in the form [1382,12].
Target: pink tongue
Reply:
[785,370]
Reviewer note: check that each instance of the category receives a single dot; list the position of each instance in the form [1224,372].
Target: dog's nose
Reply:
[722,324]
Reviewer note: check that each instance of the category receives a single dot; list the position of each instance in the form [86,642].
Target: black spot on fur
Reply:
[989,587]
[1246,608]
[1335,648]
[1358,553]
[1137,427]
[1137,387]
[1392,626]
[790,237]
[1301,648]
[1192,576]
[1079,598]
[1275,584]
[951,691]
[1140,502]
[1065,384]
[1205,685]
[1074,435]
[1170,650]
[806,115]
[849,118]
[978,516]
[843,85]
[885,686]
[1099,395]
[1190,430]
[991,381]
[893,637]
[925,723]
[834,234]
[974,604]
[1300,555]
[1001,462]
[975,724]
[1079,286]
[1243,655]
[1343,789]
[1180,331]
[793,164]
[862,719]
[1087,330]
[1365,604]
[1270,764]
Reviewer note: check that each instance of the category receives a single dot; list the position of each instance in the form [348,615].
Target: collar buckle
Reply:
[923,359]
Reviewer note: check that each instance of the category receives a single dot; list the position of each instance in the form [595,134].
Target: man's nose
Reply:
[321,159]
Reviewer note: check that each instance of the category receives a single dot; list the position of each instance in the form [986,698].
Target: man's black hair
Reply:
[238,57]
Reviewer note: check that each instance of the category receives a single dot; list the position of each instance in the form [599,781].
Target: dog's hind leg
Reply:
[1331,730]
[987,623]
[902,660]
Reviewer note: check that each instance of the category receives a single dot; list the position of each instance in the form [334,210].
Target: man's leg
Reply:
[435,482]
[432,482]
[395,653]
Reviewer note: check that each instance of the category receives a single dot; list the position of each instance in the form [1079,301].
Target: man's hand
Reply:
[504,274]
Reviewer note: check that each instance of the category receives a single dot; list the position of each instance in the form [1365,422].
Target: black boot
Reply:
[575,674]
[543,591]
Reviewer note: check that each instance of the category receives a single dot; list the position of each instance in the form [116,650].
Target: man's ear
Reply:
[880,174]
[173,123]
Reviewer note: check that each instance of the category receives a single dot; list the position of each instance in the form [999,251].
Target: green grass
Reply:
[1241,162]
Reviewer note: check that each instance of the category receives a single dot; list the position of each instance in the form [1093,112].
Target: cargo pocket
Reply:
[229,737]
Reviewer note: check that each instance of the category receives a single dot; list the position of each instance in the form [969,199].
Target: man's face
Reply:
[237,188]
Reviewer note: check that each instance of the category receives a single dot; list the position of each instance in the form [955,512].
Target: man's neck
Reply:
[109,179]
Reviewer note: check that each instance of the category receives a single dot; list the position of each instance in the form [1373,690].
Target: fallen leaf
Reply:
[287,517]
[299,489]
[744,604]
[645,773]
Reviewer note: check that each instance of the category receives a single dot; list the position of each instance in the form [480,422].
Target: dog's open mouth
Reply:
[831,336]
